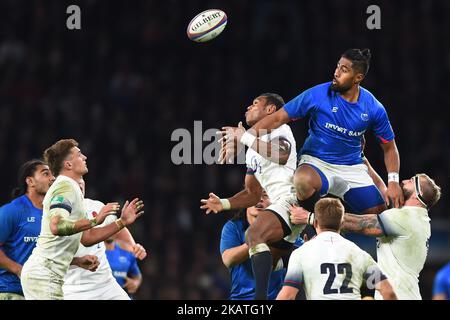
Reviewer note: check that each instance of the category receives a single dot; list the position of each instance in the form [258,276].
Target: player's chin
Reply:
[250,122]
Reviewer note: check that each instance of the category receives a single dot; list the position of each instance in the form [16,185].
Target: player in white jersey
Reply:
[330,267]
[271,162]
[63,220]
[80,284]
[402,234]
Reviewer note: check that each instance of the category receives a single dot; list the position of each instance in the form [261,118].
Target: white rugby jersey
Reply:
[331,267]
[401,254]
[276,179]
[78,279]
[63,193]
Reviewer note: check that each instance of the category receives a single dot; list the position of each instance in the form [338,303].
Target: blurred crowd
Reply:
[130,76]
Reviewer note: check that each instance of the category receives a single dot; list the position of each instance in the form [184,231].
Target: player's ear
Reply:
[359,77]
[67,164]
[315,225]
[271,108]
[29,181]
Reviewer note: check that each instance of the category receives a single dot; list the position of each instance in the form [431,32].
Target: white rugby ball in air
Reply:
[207,25]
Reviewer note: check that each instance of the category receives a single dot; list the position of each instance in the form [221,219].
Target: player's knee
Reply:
[254,236]
[303,185]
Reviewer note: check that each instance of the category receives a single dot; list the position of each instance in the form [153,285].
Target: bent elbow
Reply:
[54,229]
[283,160]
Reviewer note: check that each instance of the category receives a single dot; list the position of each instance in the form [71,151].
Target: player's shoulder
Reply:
[404,212]
[12,207]
[369,99]
[445,270]
[321,90]
[63,183]
[16,205]
[284,131]
[233,225]
[307,246]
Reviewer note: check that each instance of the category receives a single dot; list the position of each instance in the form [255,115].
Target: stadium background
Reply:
[130,76]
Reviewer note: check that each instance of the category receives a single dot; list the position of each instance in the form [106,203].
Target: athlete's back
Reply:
[401,254]
[331,267]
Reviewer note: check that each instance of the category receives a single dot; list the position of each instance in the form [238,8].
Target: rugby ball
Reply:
[207,25]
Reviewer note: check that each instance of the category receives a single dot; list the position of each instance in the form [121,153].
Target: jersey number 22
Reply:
[341,268]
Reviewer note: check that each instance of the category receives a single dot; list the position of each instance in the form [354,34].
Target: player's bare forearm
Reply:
[96,235]
[235,256]
[376,178]
[244,199]
[367,224]
[386,290]
[8,264]
[274,151]
[287,293]
[271,121]
[391,156]
[248,197]
[60,226]
[125,237]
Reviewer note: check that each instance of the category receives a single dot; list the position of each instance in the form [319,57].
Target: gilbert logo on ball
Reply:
[207,25]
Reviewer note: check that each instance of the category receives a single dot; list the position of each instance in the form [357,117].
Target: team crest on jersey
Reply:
[364,117]
[122,259]
[255,166]
[57,199]
[334,109]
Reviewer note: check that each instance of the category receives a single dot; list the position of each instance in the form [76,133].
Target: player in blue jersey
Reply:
[339,113]
[235,255]
[20,225]
[441,288]
[124,266]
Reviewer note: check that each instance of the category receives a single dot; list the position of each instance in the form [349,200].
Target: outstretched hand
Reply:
[230,142]
[131,211]
[212,204]
[108,209]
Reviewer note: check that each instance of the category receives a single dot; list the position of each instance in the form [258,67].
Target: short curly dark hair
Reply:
[57,153]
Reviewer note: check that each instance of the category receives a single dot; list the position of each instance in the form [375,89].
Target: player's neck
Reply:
[351,95]
[72,175]
[36,199]
[412,202]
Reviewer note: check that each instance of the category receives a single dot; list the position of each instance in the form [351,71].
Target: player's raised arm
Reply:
[277,150]
[130,212]
[392,162]
[271,122]
[61,225]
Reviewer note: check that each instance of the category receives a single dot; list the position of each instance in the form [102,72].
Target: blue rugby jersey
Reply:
[242,280]
[336,125]
[442,282]
[122,263]
[20,226]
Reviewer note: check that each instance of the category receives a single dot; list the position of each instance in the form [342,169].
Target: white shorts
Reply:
[39,282]
[351,183]
[341,178]
[282,207]
[109,290]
